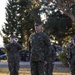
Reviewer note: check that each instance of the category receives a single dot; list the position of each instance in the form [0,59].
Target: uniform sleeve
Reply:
[29,45]
[53,53]
[29,48]
[47,41]
[68,52]
[67,49]
[19,46]
[48,51]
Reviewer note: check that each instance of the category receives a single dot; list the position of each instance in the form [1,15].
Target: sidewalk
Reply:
[22,64]
[26,64]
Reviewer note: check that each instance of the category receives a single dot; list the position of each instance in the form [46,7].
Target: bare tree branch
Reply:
[65,6]
[66,9]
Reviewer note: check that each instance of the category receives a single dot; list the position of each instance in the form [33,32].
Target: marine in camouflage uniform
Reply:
[51,56]
[13,55]
[70,52]
[38,42]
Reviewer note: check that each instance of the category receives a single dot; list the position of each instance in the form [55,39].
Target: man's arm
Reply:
[48,51]
[29,49]
[29,44]
[20,46]
[68,51]
[53,53]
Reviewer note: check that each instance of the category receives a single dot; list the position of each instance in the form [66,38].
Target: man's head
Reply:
[13,39]
[38,26]
[72,38]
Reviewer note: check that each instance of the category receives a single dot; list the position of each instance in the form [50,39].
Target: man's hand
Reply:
[15,40]
[45,62]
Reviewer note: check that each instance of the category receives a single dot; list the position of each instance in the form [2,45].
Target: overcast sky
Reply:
[2,17]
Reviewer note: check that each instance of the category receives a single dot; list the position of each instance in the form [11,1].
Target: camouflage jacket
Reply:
[39,45]
[70,52]
[13,51]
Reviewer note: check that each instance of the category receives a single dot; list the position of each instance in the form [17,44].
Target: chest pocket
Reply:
[40,40]
[37,41]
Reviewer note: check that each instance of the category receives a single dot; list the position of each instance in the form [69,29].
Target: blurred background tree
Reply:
[11,20]
[66,6]
[21,14]
[58,23]
[62,56]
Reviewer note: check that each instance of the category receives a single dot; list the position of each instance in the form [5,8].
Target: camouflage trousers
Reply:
[37,68]
[13,67]
[49,68]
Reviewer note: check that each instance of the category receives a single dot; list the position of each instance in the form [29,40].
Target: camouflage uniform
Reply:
[38,42]
[51,58]
[13,57]
[70,52]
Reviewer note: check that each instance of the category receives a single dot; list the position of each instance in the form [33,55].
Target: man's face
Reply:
[72,40]
[38,28]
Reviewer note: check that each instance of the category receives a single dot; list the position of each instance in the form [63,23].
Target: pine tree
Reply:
[11,24]
[20,16]
[11,18]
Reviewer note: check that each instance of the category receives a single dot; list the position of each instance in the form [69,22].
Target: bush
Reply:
[5,51]
[62,56]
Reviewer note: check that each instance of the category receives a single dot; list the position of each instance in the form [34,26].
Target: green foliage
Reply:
[5,51]
[62,56]
[57,24]
[20,16]
[5,39]
[11,24]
